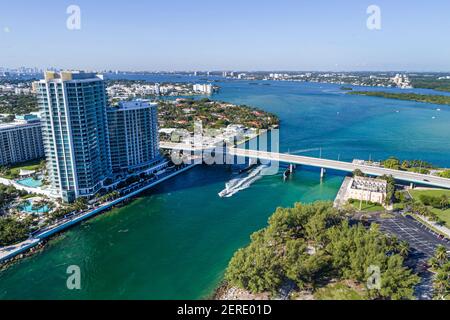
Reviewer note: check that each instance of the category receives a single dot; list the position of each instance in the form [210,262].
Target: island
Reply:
[182,113]
[425,98]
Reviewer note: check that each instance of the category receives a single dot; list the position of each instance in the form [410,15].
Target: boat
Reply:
[239,184]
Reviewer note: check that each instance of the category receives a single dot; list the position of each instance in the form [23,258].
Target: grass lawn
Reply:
[340,291]
[433,193]
[15,170]
[443,214]
[370,207]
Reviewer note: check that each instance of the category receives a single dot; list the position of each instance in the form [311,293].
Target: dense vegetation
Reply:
[431,83]
[9,194]
[419,208]
[214,115]
[417,166]
[311,245]
[18,104]
[13,231]
[445,174]
[427,98]
[440,265]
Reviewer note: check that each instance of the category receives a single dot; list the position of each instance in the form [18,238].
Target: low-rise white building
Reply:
[367,189]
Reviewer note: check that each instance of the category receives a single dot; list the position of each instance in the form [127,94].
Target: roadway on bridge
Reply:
[323,163]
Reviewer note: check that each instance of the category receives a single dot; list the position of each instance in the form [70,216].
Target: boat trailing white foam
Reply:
[238,184]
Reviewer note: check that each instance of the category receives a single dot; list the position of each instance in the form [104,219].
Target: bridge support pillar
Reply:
[412,186]
[322,173]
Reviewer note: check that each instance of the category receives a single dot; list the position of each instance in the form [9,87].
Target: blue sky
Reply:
[227,34]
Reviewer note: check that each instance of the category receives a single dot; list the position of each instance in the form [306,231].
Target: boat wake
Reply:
[238,184]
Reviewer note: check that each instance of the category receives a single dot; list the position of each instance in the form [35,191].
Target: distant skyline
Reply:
[263,35]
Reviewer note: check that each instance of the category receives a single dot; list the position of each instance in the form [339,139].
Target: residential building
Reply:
[203,88]
[21,140]
[75,132]
[134,137]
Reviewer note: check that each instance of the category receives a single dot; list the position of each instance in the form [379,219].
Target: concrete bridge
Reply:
[405,176]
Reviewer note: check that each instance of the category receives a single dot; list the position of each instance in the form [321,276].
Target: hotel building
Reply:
[21,140]
[75,132]
[133,132]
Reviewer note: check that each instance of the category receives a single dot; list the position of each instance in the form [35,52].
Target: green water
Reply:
[171,244]
[175,241]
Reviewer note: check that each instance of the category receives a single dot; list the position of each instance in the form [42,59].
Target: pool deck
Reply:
[7,253]
[39,191]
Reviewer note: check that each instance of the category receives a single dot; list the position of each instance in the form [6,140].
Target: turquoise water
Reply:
[29,208]
[30,182]
[175,241]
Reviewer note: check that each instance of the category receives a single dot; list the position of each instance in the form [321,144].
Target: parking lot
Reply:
[423,243]
[420,238]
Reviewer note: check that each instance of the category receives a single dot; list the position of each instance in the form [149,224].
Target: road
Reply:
[405,176]
[423,243]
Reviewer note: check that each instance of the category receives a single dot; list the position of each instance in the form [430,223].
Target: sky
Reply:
[174,35]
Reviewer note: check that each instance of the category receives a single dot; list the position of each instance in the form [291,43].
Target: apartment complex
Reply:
[203,88]
[75,132]
[133,132]
[21,140]
[85,141]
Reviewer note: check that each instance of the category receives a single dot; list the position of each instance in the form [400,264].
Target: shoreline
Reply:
[11,254]
[14,253]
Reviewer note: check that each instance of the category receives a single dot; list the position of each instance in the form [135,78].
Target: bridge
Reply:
[405,176]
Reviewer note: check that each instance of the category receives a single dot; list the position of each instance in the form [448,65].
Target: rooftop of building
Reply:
[50,76]
[134,105]
[369,184]
[20,120]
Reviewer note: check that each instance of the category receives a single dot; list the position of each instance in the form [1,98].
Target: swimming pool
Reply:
[30,182]
[28,207]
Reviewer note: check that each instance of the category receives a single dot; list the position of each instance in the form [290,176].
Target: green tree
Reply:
[434,263]
[358,173]
[441,254]
[441,284]
[13,231]
[403,249]
[392,163]
[397,282]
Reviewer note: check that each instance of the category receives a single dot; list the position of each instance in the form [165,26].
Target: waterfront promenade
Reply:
[405,176]
[7,253]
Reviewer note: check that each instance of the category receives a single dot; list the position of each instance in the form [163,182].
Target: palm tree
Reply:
[441,254]
[444,201]
[441,285]
[434,263]
[403,249]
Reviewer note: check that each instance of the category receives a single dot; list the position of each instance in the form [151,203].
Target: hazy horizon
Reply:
[175,35]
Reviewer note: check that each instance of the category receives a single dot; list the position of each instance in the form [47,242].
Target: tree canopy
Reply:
[309,244]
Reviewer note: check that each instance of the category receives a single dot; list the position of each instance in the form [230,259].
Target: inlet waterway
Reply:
[175,241]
